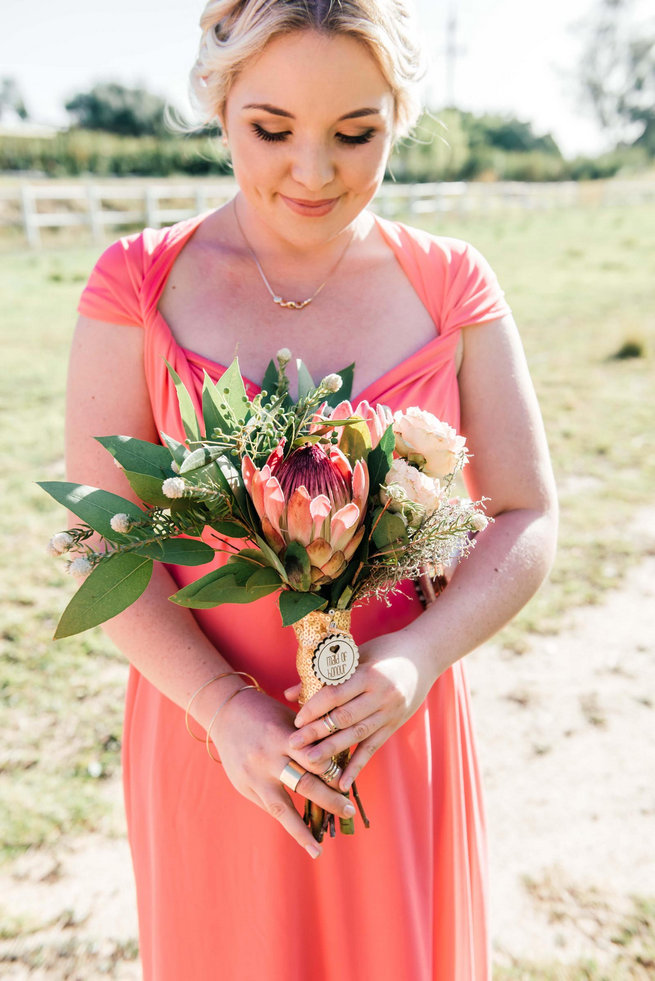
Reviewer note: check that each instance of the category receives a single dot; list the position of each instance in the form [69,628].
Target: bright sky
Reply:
[518,56]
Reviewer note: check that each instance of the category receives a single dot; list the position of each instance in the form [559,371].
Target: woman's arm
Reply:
[107,395]
[510,465]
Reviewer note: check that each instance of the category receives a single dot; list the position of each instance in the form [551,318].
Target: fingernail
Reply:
[299,721]
[314,755]
[349,810]
[313,850]
[295,740]
[346,785]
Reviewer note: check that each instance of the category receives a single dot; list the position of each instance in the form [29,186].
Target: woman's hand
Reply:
[251,735]
[389,685]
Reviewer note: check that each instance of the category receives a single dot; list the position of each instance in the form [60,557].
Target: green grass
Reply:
[581,284]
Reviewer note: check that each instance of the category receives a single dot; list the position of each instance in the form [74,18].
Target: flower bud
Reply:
[173,487]
[59,543]
[479,521]
[120,523]
[283,356]
[80,568]
[332,382]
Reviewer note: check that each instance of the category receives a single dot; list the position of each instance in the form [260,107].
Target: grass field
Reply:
[582,287]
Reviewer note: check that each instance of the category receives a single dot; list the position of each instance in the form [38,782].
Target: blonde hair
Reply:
[234,31]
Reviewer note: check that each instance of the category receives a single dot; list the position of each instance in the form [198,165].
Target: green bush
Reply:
[78,151]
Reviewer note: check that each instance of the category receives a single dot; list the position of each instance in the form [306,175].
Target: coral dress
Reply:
[223,892]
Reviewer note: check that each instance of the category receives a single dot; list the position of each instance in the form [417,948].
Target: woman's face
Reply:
[310,126]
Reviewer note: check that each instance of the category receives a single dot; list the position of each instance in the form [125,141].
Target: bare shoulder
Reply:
[502,421]
[106,395]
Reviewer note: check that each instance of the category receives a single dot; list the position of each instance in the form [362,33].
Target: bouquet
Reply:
[325,504]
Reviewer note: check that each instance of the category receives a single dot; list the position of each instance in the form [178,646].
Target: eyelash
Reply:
[268,137]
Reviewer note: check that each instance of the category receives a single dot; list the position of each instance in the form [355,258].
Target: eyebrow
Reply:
[275,111]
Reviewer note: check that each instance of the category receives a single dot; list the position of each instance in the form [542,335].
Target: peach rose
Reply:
[433,446]
[406,483]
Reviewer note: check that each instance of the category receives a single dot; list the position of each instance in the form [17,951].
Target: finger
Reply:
[361,757]
[293,694]
[317,756]
[343,717]
[277,803]
[329,697]
[320,793]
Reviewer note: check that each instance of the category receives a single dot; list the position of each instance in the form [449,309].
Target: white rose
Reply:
[432,445]
[406,483]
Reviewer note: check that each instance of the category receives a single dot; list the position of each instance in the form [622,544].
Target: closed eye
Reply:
[269,137]
[356,140]
[282,135]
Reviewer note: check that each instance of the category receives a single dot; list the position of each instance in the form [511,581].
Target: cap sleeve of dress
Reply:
[472,294]
[114,288]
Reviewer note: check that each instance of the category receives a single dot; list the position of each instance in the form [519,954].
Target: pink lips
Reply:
[312,209]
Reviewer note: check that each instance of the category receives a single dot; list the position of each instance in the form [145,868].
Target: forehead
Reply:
[311,72]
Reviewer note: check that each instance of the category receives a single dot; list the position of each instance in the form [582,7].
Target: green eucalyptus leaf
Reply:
[148,488]
[297,566]
[379,460]
[217,587]
[187,408]
[232,390]
[269,381]
[389,529]
[94,506]
[178,450]
[346,375]
[262,582]
[139,456]
[305,380]
[229,529]
[179,551]
[270,556]
[113,585]
[294,606]
[201,457]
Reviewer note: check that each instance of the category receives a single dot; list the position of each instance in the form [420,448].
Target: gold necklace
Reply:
[287,304]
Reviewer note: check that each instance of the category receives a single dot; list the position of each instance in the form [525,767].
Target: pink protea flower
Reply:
[378,418]
[314,497]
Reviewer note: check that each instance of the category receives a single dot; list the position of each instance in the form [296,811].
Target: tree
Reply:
[11,98]
[617,72]
[114,108]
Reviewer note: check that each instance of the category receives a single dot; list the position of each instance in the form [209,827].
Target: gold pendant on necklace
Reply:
[292,304]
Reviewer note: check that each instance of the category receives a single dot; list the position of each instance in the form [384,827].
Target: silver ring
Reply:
[332,771]
[330,723]
[292,775]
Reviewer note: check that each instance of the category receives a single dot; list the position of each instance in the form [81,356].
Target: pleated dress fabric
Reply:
[223,892]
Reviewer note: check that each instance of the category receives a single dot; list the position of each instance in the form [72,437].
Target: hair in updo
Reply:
[234,31]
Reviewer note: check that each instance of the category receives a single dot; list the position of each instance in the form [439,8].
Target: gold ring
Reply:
[330,723]
[332,771]
[292,775]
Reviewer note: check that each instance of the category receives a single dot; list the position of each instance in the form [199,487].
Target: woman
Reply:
[311,96]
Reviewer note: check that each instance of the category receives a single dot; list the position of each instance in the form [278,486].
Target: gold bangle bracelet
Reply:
[217,677]
[213,719]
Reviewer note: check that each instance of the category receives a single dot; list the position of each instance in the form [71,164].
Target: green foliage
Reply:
[78,152]
[453,145]
[115,108]
[113,585]
[294,606]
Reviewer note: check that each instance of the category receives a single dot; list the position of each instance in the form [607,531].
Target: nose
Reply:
[313,166]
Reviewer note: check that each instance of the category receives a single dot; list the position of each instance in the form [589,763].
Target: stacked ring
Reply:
[330,723]
[291,775]
[333,771]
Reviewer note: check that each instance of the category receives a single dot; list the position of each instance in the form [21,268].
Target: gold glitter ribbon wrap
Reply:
[310,631]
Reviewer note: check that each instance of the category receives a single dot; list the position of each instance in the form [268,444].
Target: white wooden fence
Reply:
[122,203]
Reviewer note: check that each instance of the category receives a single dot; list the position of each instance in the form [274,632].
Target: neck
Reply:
[274,250]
